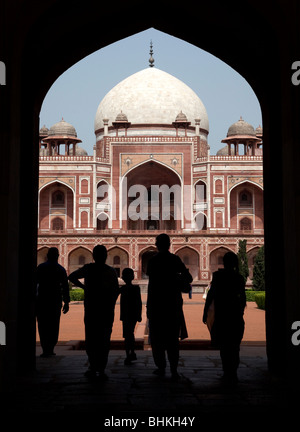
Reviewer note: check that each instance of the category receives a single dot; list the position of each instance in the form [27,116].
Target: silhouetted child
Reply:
[130,312]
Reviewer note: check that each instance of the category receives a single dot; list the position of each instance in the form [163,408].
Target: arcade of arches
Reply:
[119,259]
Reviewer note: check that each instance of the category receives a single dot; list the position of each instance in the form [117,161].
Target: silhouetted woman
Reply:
[227,291]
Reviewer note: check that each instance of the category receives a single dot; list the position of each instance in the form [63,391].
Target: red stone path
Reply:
[72,327]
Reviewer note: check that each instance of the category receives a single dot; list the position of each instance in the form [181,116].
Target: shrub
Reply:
[243,259]
[260,300]
[76,294]
[250,294]
[259,271]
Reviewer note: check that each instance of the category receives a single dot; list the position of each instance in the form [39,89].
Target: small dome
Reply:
[121,117]
[79,151]
[258,130]
[224,151]
[241,128]
[181,117]
[44,131]
[62,128]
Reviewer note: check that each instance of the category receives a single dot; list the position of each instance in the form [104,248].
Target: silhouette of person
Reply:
[130,312]
[52,290]
[101,290]
[228,293]
[164,305]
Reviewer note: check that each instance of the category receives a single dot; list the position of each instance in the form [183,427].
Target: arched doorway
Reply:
[42,255]
[79,257]
[102,206]
[145,256]
[190,258]
[155,204]
[102,221]
[118,259]
[200,221]
[245,204]
[56,207]
[216,258]
[280,127]
[251,254]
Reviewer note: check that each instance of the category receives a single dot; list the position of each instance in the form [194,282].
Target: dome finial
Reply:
[151,59]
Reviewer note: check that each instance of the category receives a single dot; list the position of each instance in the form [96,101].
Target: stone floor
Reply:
[59,386]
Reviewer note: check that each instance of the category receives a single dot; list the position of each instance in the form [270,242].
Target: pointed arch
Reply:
[200,221]
[251,254]
[42,254]
[140,177]
[200,193]
[245,199]
[118,258]
[144,256]
[153,161]
[103,221]
[45,203]
[79,256]
[190,258]
[245,181]
[216,257]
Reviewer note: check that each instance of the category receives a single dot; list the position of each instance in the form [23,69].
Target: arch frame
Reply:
[122,181]
[51,183]
[253,199]
[279,127]
[196,252]
[194,218]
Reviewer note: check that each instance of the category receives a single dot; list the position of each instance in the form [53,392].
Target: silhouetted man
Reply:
[101,290]
[52,290]
[164,304]
[228,293]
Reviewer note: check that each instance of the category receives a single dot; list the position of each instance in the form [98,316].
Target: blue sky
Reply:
[76,94]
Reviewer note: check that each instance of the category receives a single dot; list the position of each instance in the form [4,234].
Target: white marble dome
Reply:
[151,96]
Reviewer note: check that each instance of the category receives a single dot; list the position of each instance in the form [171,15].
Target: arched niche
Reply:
[190,258]
[118,259]
[79,257]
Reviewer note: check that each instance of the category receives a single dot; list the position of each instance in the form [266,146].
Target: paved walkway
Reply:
[72,327]
[133,392]
[59,386]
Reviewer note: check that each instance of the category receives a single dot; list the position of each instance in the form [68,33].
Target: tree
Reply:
[243,259]
[259,270]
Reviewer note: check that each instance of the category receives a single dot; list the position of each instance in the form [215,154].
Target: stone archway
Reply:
[245,198]
[145,256]
[280,127]
[216,258]
[42,255]
[251,254]
[79,257]
[154,215]
[118,259]
[56,207]
[190,258]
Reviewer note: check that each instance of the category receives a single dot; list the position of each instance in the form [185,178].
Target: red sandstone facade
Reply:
[75,213]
